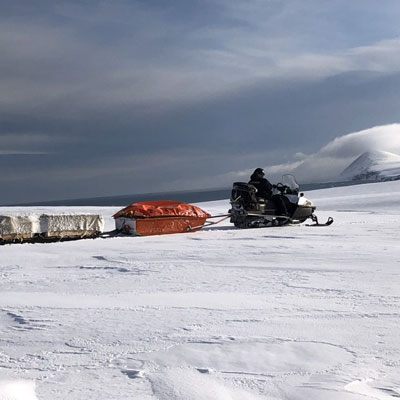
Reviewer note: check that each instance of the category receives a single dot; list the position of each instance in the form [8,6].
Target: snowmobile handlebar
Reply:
[284,188]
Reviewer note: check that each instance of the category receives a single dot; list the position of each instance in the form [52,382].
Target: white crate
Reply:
[19,227]
[67,225]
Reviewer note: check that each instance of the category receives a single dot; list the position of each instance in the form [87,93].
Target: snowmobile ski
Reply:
[317,223]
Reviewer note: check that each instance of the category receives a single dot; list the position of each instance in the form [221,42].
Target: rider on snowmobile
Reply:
[264,189]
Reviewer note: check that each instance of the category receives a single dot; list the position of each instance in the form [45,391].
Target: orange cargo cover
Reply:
[160,217]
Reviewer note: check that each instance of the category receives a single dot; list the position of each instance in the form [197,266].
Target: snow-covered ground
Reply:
[221,314]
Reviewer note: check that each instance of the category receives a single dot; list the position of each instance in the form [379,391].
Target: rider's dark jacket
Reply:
[264,186]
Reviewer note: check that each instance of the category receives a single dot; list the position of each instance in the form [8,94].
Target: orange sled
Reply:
[159,218]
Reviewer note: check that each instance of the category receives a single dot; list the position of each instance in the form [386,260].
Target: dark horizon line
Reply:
[193,196]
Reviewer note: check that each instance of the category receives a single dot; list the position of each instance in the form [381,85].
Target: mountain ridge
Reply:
[373,165]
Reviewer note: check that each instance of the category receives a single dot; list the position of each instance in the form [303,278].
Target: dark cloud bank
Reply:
[76,120]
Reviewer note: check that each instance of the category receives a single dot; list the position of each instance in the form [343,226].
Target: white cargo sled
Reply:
[49,228]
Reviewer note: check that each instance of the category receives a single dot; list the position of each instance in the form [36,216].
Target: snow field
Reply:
[17,390]
[290,313]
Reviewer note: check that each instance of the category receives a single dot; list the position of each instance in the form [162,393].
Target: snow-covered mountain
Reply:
[374,165]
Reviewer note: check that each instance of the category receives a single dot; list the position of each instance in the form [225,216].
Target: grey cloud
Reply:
[261,125]
[111,54]
[21,152]
[34,143]
[110,90]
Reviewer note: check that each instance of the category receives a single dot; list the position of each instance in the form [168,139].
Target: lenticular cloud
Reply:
[328,163]
[386,138]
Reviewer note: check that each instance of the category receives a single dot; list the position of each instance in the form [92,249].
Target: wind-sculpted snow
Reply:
[290,313]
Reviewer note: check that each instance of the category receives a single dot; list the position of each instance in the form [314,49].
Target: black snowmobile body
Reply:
[251,211]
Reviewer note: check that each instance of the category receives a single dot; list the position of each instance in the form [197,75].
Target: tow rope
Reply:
[225,216]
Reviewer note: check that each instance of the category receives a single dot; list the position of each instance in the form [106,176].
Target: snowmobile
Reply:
[251,211]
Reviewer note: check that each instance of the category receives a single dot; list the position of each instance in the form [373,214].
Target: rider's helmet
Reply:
[259,172]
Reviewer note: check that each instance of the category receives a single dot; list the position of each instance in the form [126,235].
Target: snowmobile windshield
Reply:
[290,181]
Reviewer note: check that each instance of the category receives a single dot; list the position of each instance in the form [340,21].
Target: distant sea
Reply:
[192,196]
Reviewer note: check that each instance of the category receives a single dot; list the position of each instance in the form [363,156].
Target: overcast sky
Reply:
[101,98]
